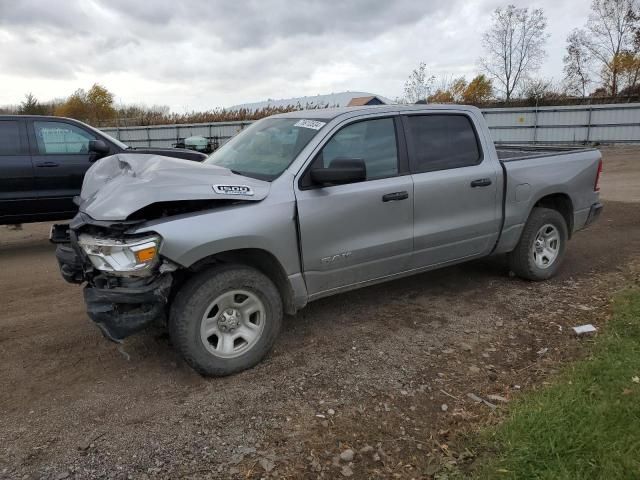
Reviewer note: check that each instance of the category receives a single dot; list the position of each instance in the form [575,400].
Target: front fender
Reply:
[189,238]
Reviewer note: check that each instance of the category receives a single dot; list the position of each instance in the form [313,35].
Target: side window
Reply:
[59,137]
[10,138]
[439,142]
[374,141]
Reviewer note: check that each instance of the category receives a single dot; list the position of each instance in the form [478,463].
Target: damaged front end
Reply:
[127,282]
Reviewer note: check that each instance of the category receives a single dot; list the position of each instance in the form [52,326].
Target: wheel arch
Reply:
[260,259]
[562,203]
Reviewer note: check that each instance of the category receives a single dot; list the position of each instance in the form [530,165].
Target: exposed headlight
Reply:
[134,256]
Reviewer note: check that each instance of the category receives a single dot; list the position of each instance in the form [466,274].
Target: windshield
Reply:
[266,148]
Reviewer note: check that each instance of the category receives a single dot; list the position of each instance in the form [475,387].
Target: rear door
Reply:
[17,192]
[456,196]
[362,231]
[61,158]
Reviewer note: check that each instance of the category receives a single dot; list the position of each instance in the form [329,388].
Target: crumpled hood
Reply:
[119,185]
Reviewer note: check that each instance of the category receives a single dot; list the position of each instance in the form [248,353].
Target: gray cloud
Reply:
[201,54]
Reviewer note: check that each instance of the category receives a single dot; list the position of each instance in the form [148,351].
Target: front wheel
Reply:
[226,319]
[541,248]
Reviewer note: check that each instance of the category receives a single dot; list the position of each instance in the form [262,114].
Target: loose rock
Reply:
[347,455]
[346,471]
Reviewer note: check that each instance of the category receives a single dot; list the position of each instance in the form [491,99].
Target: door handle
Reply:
[47,164]
[481,182]
[392,197]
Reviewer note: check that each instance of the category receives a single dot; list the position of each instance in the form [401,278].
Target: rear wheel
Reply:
[225,319]
[541,248]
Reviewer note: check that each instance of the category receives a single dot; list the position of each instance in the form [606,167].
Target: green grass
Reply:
[587,424]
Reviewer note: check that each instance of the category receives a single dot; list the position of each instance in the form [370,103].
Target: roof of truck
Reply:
[331,113]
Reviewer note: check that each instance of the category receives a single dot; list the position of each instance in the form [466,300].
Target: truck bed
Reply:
[511,153]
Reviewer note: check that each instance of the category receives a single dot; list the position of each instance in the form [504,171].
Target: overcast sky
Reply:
[201,54]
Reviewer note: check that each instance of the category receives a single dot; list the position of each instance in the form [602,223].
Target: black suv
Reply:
[43,161]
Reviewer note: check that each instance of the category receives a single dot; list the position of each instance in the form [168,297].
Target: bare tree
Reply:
[514,45]
[577,65]
[609,33]
[418,86]
[538,89]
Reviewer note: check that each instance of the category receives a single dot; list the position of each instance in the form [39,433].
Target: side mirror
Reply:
[98,146]
[340,171]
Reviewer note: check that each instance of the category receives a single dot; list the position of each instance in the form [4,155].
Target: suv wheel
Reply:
[225,319]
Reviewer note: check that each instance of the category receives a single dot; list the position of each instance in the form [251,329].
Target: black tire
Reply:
[191,303]
[521,259]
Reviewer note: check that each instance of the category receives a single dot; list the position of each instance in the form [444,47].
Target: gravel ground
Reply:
[368,384]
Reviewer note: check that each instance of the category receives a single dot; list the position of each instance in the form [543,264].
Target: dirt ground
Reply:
[380,375]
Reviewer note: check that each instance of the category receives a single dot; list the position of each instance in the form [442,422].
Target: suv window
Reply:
[374,141]
[60,137]
[10,138]
[439,142]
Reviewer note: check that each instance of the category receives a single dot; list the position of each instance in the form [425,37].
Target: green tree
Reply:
[31,106]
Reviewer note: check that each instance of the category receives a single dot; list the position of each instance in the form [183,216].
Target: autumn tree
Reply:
[75,106]
[514,46]
[457,89]
[100,103]
[419,85]
[441,96]
[629,72]
[94,106]
[609,37]
[478,91]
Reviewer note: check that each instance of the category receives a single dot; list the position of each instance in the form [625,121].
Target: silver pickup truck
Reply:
[307,204]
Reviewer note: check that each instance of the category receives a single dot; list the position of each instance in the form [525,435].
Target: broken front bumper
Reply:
[119,306]
[127,309]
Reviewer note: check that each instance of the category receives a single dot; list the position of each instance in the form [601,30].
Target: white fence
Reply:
[168,135]
[614,123]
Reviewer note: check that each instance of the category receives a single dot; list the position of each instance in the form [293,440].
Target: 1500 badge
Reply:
[233,190]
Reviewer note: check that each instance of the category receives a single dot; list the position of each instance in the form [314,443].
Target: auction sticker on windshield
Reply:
[312,124]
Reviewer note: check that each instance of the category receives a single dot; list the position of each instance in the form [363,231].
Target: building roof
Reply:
[341,99]
[360,101]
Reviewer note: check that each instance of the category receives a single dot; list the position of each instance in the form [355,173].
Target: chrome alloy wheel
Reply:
[546,246]
[233,323]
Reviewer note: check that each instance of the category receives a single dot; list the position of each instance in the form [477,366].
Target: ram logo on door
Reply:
[333,258]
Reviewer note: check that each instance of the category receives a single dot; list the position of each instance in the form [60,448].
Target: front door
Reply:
[61,158]
[456,190]
[362,231]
